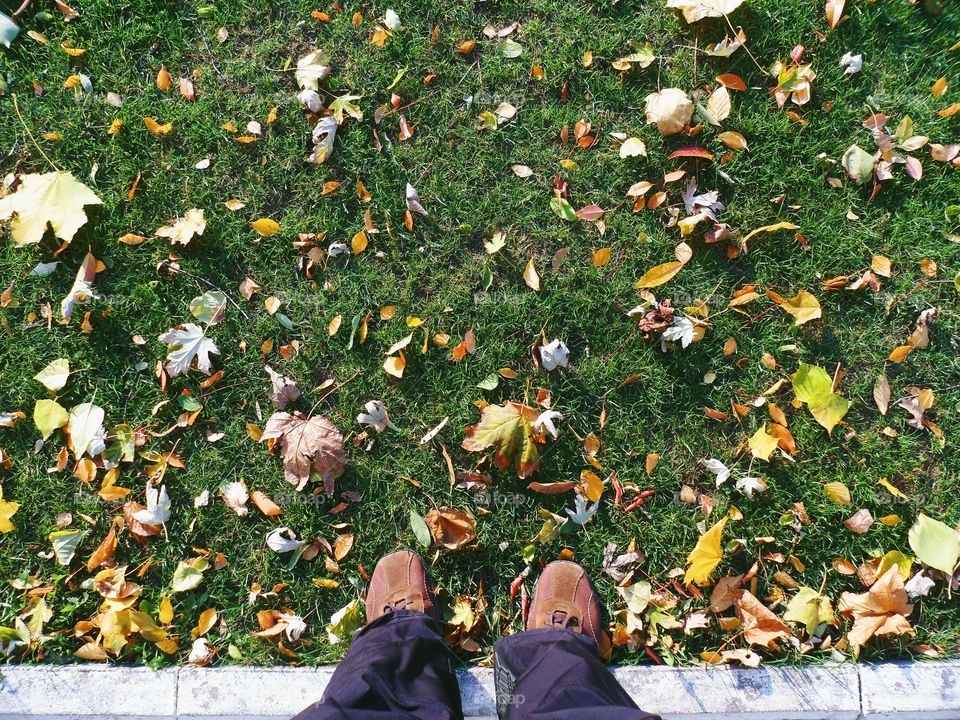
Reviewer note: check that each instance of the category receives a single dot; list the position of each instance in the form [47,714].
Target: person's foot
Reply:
[400,581]
[565,599]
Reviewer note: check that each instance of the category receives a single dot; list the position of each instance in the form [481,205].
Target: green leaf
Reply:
[209,307]
[345,104]
[511,49]
[937,545]
[490,382]
[858,163]
[48,415]
[814,386]
[420,529]
[809,608]
[562,209]
[186,577]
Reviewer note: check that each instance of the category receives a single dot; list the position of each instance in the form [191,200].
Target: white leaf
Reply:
[392,21]
[295,626]
[310,100]
[283,540]
[749,485]
[375,416]
[413,201]
[545,420]
[82,288]
[54,376]
[235,495]
[581,514]
[718,105]
[719,469]
[851,63]
[554,355]
[157,511]
[324,133]
[186,343]
[670,109]
[86,429]
[200,652]
[632,147]
[312,69]
[919,585]
[680,331]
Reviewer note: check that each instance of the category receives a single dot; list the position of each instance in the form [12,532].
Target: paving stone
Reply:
[229,693]
[758,694]
[86,691]
[911,690]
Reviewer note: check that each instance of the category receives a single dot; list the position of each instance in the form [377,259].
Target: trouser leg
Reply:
[397,669]
[551,674]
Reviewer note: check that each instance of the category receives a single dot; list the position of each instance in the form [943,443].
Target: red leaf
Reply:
[694,151]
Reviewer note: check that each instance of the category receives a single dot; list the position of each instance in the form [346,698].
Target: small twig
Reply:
[730,25]
[331,391]
[22,9]
[23,122]
[757,317]
[212,63]
[233,302]
[908,294]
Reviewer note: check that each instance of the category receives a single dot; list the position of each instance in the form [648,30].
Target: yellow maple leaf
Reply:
[8,509]
[705,557]
[183,229]
[509,427]
[56,199]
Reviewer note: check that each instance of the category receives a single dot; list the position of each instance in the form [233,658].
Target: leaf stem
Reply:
[23,122]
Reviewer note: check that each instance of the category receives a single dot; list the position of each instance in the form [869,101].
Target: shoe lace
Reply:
[561,619]
[402,602]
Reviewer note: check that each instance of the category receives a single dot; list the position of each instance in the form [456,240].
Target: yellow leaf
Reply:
[334,326]
[659,275]
[265,227]
[531,277]
[8,509]
[114,128]
[166,610]
[837,492]
[395,365]
[899,354]
[155,128]
[939,87]
[804,307]
[359,242]
[163,79]
[705,557]
[56,199]
[733,140]
[762,444]
[601,257]
[508,427]
[183,229]
[767,229]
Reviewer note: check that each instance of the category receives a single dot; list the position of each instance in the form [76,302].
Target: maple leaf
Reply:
[307,443]
[759,624]
[312,69]
[183,229]
[705,556]
[509,427]
[345,104]
[882,610]
[285,390]
[187,342]
[157,511]
[53,199]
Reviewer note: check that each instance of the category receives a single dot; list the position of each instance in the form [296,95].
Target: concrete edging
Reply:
[897,690]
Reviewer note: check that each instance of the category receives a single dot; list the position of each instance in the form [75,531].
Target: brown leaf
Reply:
[451,528]
[104,554]
[882,610]
[760,625]
[307,444]
[860,521]
[265,505]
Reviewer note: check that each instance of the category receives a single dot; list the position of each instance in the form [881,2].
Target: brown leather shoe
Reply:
[565,599]
[400,581]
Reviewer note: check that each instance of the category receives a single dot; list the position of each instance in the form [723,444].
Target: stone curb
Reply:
[894,691]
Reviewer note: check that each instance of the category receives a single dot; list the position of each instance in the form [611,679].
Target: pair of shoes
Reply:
[563,599]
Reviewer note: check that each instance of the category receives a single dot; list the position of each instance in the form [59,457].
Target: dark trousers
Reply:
[399,669]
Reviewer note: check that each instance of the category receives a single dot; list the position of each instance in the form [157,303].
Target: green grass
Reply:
[435,272]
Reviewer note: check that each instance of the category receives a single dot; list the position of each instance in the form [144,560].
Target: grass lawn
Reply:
[240,57]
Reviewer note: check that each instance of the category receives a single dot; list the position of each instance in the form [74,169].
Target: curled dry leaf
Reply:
[670,109]
[451,528]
